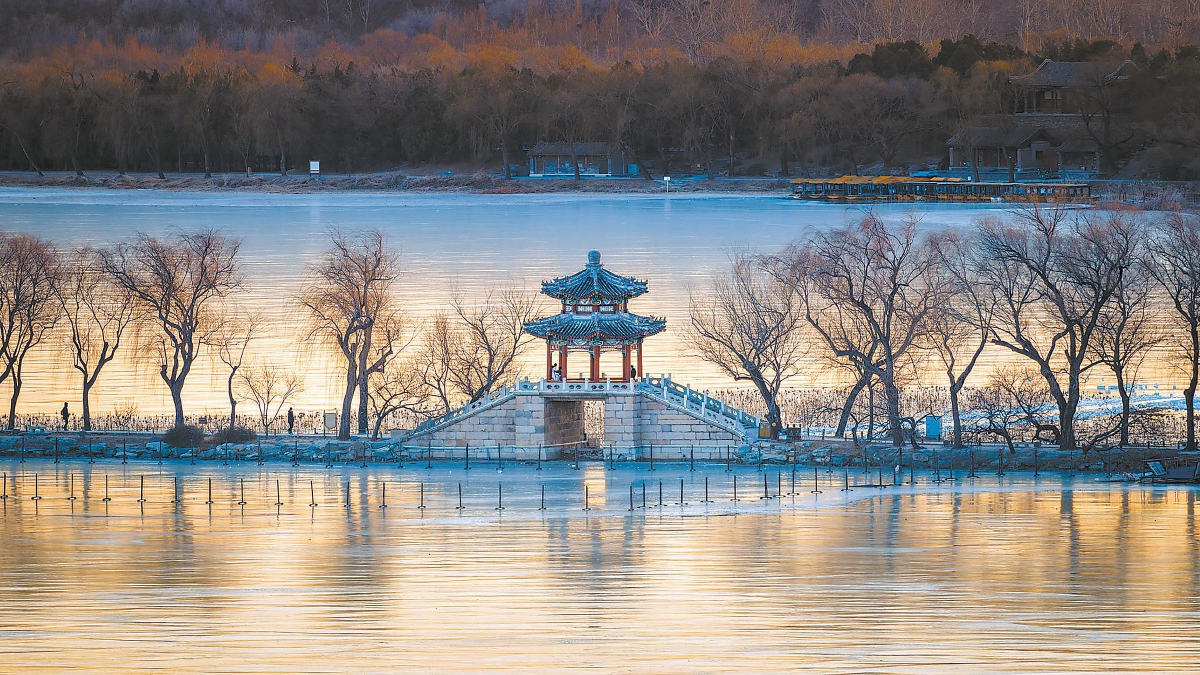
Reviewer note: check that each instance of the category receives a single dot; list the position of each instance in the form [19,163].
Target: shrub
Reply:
[185,436]
[234,435]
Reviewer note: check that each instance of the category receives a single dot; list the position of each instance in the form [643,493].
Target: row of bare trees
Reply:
[393,365]
[174,298]
[1066,292]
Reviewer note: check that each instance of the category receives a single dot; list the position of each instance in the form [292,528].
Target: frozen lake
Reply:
[468,242]
[1013,574]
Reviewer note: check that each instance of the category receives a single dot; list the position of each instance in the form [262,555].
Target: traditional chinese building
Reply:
[592,159]
[632,413]
[594,319]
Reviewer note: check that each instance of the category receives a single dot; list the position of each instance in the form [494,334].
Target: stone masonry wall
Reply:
[564,422]
[659,425]
[490,428]
[528,421]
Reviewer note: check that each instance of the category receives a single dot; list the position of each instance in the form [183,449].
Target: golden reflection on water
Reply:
[973,578]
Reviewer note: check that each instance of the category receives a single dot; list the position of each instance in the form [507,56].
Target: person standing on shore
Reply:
[291,422]
[66,415]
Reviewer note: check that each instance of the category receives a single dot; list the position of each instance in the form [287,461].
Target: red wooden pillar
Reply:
[641,373]
[595,364]
[562,362]
[625,364]
[549,359]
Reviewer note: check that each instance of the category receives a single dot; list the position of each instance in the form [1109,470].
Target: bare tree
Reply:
[490,339]
[436,363]
[176,282]
[28,305]
[959,329]
[1050,278]
[269,387]
[466,354]
[98,313]
[750,326]
[869,290]
[347,292]
[1174,262]
[231,341]
[400,389]
[1128,329]
[1012,396]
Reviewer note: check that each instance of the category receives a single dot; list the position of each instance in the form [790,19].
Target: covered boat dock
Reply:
[904,188]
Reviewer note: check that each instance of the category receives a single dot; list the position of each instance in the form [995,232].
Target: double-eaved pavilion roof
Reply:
[579,323]
[594,282]
[618,326]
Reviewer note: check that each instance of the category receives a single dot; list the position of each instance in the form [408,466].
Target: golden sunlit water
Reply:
[998,574]
[449,243]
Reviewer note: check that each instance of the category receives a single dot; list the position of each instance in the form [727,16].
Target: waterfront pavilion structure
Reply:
[594,318]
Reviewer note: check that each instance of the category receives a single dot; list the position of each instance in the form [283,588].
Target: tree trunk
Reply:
[892,396]
[1066,425]
[504,157]
[774,418]
[75,165]
[282,156]
[1189,393]
[364,377]
[348,398]
[848,406]
[25,152]
[232,400]
[156,157]
[87,405]
[12,402]
[1125,406]
[731,155]
[177,400]
[955,415]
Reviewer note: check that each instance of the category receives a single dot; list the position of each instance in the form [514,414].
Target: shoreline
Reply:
[309,448]
[1151,194]
[480,182]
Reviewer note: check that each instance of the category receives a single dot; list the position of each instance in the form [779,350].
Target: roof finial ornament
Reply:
[594,258]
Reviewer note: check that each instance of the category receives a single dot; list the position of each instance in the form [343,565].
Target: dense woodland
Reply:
[745,87]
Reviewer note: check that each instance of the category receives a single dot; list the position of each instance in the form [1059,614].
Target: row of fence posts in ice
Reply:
[728,455]
[794,481]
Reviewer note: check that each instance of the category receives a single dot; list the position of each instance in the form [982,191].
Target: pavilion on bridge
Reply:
[595,318]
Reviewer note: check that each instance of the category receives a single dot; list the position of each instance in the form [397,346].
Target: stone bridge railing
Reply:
[700,405]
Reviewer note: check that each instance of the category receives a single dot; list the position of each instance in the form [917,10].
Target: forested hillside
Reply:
[746,87]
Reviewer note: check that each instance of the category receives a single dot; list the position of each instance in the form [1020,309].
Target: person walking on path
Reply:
[66,415]
[291,422]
